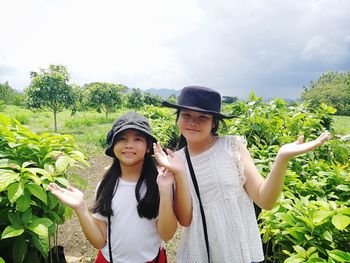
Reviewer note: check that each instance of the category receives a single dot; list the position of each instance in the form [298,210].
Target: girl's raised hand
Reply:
[299,146]
[168,160]
[165,179]
[69,196]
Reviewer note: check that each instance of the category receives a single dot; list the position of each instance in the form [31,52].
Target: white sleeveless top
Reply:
[231,222]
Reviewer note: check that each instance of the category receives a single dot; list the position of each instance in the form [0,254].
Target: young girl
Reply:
[133,211]
[227,181]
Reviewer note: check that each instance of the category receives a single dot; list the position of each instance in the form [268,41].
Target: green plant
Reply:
[29,214]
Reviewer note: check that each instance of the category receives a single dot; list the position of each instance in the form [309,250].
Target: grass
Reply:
[342,125]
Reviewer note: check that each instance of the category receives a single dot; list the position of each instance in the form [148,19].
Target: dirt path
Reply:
[70,235]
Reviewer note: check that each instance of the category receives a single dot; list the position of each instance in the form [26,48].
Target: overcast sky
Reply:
[272,47]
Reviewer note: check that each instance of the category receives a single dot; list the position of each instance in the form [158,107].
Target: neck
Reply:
[131,173]
[196,148]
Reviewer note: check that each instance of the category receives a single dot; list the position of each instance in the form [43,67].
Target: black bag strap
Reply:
[109,240]
[195,184]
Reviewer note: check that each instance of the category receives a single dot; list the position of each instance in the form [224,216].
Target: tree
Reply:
[152,99]
[9,95]
[332,88]
[229,99]
[105,97]
[135,99]
[49,88]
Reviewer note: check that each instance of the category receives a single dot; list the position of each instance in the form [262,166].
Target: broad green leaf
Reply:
[40,226]
[37,191]
[328,236]
[43,172]
[343,187]
[301,251]
[41,243]
[339,255]
[63,181]
[62,163]
[7,177]
[319,216]
[14,191]
[23,202]
[340,221]
[15,219]
[12,231]
[4,163]
[27,217]
[19,250]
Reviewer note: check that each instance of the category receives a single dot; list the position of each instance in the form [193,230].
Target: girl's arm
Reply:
[265,192]
[167,223]
[94,230]
[182,196]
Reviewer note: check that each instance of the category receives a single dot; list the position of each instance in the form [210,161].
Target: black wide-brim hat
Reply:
[201,99]
[130,120]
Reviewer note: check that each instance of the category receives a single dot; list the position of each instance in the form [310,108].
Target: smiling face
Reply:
[195,126]
[130,148]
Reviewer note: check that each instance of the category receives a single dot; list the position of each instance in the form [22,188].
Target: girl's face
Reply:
[130,147]
[195,126]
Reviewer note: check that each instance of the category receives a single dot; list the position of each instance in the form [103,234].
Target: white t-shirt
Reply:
[133,239]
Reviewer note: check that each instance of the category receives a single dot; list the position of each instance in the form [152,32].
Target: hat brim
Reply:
[179,107]
[109,150]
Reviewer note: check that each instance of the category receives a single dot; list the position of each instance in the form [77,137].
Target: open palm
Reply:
[69,196]
[300,147]
[169,160]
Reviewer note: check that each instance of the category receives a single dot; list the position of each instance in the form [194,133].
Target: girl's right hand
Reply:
[169,160]
[69,196]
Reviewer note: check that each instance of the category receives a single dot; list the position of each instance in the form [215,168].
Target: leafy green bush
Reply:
[29,214]
[311,221]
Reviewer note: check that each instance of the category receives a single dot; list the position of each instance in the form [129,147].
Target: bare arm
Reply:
[94,230]
[167,223]
[182,196]
[265,192]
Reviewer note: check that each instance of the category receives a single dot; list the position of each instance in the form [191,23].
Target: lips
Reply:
[129,153]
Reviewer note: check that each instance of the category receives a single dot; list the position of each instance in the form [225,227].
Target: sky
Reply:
[271,47]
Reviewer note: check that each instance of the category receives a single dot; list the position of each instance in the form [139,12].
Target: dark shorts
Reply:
[160,258]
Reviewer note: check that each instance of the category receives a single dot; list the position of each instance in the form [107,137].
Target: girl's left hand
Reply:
[299,147]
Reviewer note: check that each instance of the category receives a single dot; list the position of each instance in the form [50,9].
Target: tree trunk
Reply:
[55,119]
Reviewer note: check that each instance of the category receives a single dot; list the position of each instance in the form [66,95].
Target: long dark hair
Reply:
[182,140]
[147,206]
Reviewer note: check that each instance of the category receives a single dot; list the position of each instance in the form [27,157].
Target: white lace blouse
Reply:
[231,222]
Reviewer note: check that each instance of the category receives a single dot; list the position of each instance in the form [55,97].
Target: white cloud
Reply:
[272,47]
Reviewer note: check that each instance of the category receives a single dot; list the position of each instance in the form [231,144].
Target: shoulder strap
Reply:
[195,184]
[109,240]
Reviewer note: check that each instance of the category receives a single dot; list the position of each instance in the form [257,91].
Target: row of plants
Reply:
[311,221]
[29,214]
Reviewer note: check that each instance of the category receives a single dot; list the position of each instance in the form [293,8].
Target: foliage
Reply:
[49,88]
[311,221]
[151,99]
[10,96]
[29,214]
[163,125]
[105,97]
[332,88]
[134,99]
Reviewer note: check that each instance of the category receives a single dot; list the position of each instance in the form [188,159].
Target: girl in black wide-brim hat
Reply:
[224,183]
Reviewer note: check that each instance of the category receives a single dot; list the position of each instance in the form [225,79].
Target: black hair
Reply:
[182,140]
[148,205]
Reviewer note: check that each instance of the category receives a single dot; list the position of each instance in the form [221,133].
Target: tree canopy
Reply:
[332,88]
[105,97]
[49,88]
